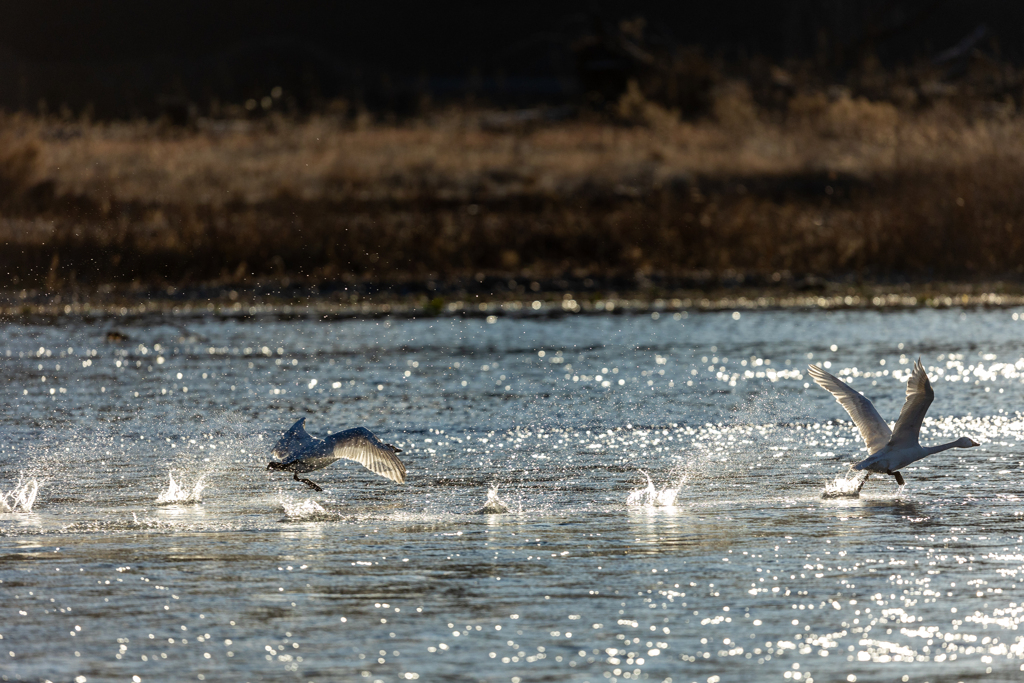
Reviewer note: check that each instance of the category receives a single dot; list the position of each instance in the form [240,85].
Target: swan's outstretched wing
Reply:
[873,428]
[294,444]
[361,445]
[919,396]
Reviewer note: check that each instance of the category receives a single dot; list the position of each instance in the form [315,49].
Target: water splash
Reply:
[494,505]
[652,497]
[21,498]
[176,494]
[845,486]
[305,510]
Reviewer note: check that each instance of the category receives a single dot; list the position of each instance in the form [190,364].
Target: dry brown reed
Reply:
[837,186]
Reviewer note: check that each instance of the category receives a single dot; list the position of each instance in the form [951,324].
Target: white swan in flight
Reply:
[889,451]
[299,453]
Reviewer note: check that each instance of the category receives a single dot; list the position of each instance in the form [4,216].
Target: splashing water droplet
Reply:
[21,498]
[650,496]
[494,505]
[845,487]
[307,509]
[181,494]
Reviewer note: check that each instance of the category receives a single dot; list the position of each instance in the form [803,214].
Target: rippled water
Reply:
[663,478]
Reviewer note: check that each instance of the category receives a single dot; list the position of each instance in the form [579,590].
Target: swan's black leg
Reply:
[863,481]
[899,478]
[307,482]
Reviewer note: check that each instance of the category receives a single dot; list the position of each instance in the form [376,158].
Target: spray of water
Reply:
[650,496]
[304,510]
[177,494]
[494,505]
[21,498]
[844,486]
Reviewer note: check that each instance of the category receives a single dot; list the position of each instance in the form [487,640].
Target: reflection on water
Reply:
[724,560]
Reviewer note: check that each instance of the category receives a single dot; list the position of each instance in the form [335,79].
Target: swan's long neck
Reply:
[931,450]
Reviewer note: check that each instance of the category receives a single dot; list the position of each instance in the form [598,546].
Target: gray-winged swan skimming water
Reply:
[889,451]
[299,453]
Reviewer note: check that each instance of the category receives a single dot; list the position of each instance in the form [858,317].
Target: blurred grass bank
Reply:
[831,188]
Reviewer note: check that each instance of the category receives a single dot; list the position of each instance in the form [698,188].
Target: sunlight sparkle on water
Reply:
[723,557]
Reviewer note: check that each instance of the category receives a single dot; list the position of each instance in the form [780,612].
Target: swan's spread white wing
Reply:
[361,445]
[919,396]
[873,428]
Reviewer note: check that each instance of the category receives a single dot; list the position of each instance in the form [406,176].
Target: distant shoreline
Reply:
[383,301]
[836,188]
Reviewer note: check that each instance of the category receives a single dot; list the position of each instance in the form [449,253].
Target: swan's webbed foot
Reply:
[307,482]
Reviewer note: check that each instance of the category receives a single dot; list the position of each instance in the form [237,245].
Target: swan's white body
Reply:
[299,452]
[889,450]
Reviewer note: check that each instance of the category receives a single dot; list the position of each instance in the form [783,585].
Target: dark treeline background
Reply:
[123,59]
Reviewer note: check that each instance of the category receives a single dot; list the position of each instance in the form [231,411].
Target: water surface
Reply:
[727,563]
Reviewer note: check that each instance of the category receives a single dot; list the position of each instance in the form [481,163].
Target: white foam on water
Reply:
[176,494]
[650,496]
[845,486]
[306,509]
[21,498]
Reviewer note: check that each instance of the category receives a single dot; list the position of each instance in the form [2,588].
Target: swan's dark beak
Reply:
[974,443]
[274,466]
